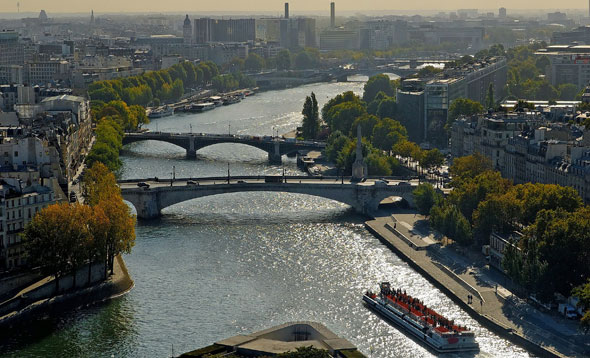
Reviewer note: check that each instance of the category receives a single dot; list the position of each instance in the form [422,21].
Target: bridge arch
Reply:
[364,199]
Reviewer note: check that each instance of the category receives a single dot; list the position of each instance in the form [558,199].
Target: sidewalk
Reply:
[459,277]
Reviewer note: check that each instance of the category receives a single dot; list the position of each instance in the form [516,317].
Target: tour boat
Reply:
[200,107]
[231,100]
[435,331]
[161,112]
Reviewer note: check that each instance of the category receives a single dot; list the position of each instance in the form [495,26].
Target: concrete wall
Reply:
[48,290]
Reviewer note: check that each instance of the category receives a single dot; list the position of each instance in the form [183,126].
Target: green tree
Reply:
[432,158]
[583,293]
[425,197]
[567,91]
[387,133]
[463,107]
[348,96]
[342,115]
[470,166]
[311,120]
[428,71]
[335,144]
[283,60]
[490,102]
[376,84]
[254,62]
[387,108]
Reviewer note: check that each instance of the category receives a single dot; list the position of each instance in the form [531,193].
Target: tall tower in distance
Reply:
[187,31]
[502,13]
[333,14]
[287,10]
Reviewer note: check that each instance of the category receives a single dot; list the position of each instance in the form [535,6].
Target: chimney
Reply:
[333,14]
[287,10]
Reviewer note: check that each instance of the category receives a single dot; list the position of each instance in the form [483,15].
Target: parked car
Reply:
[73,197]
[143,185]
[191,182]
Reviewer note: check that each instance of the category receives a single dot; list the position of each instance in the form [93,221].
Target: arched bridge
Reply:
[149,196]
[191,142]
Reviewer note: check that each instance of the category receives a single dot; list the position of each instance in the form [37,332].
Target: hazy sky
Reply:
[319,6]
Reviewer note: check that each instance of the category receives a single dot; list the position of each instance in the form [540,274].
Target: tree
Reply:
[470,166]
[348,96]
[303,60]
[583,293]
[342,115]
[387,108]
[432,158]
[335,144]
[99,184]
[387,133]
[463,107]
[428,71]
[254,62]
[406,149]
[425,197]
[490,103]
[100,189]
[376,84]
[567,91]
[283,60]
[311,120]
[542,63]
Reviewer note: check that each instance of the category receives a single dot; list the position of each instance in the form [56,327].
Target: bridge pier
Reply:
[274,156]
[191,152]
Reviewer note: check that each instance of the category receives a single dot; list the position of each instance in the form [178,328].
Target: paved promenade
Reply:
[493,305]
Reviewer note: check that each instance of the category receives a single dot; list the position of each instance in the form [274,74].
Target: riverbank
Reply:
[115,286]
[491,308]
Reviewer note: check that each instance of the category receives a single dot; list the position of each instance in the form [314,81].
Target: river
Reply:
[232,264]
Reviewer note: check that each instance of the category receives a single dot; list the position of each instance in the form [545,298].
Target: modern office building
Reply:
[569,64]
[428,100]
[224,30]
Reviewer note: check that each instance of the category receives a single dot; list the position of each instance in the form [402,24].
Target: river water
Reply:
[231,264]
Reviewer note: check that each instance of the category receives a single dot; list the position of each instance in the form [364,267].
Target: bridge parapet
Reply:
[363,197]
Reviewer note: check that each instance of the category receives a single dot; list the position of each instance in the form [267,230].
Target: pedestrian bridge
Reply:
[275,147]
[364,197]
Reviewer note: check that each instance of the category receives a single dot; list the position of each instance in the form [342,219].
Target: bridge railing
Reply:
[261,177]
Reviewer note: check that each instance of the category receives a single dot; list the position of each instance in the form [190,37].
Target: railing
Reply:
[261,177]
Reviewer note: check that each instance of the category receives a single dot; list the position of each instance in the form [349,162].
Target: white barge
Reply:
[435,331]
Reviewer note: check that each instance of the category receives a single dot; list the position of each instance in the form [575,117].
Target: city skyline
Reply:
[264,6]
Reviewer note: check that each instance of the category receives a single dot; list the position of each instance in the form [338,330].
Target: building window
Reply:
[16,154]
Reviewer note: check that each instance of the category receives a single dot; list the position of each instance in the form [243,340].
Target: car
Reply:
[241,182]
[404,183]
[143,185]
[191,182]
[380,182]
[73,197]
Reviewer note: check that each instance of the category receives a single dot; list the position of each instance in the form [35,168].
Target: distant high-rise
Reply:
[502,12]
[287,10]
[224,30]
[187,31]
[333,14]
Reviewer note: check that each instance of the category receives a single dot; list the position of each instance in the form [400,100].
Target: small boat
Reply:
[160,112]
[231,100]
[200,107]
[426,325]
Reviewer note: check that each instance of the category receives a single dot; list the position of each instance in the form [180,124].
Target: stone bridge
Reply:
[364,197]
[192,142]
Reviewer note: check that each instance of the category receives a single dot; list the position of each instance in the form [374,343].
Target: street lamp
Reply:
[229,129]
[228,173]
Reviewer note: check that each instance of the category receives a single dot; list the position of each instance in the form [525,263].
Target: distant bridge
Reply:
[192,142]
[364,197]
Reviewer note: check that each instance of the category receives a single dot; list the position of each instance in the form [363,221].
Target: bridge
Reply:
[364,197]
[276,147]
